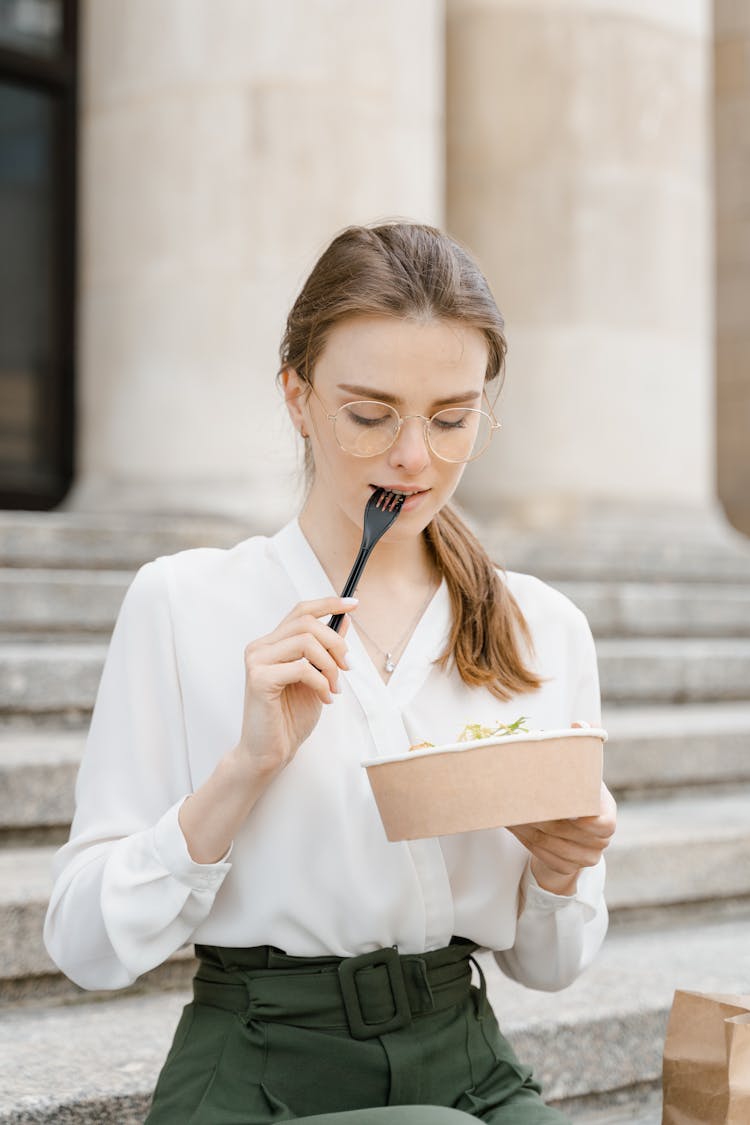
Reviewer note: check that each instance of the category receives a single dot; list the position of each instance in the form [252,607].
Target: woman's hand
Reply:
[289,675]
[560,849]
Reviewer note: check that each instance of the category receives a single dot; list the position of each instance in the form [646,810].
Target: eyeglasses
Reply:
[367,427]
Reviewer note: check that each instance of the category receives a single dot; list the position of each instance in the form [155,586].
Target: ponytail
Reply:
[487,620]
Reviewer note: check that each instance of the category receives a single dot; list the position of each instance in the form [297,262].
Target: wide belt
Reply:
[369,995]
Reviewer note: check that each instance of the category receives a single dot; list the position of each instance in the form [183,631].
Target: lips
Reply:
[403,489]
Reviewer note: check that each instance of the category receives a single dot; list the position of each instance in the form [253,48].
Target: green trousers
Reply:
[380,1039]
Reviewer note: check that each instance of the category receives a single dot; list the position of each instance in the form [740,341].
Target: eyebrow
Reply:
[382,396]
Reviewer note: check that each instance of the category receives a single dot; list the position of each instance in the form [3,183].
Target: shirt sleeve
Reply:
[127,893]
[557,936]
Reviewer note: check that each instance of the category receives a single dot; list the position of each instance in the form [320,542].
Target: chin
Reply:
[413,523]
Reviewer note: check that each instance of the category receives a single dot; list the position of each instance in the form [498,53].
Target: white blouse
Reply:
[311,870]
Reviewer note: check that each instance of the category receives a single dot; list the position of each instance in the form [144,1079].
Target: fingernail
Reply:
[350,601]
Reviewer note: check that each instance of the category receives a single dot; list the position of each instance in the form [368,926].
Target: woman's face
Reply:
[419,367]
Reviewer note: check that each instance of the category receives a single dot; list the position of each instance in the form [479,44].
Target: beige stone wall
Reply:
[732,154]
[579,172]
[222,143]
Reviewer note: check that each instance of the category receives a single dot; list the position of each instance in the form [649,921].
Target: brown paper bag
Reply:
[706,1075]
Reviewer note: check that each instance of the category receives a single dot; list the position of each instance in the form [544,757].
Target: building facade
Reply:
[593,154]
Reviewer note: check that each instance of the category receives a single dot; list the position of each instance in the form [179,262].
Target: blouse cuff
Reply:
[172,849]
[587,893]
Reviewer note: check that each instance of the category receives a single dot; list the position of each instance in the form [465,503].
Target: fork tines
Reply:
[388,501]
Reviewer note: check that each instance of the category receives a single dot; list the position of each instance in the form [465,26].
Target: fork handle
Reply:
[351,584]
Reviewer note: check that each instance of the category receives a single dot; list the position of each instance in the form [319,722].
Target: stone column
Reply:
[223,143]
[732,154]
[579,171]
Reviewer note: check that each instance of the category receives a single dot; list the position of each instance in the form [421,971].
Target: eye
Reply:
[368,414]
[361,420]
[452,419]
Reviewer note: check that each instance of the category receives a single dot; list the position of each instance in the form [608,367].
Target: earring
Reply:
[303,432]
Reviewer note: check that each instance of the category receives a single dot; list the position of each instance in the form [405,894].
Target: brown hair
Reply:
[411,270]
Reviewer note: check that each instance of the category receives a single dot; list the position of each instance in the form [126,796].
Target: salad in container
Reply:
[490,777]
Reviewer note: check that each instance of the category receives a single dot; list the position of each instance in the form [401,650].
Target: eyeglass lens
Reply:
[368,428]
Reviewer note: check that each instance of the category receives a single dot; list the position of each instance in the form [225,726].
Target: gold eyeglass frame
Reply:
[495,424]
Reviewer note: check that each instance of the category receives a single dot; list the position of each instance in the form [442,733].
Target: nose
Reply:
[410,450]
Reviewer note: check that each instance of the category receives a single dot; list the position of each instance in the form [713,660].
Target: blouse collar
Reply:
[427,641]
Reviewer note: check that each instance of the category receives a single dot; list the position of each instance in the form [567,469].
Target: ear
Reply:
[295,396]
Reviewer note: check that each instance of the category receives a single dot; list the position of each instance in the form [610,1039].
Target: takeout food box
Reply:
[489,783]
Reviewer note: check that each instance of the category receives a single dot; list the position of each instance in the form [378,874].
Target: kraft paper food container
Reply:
[489,783]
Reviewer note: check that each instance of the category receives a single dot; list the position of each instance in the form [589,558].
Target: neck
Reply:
[395,563]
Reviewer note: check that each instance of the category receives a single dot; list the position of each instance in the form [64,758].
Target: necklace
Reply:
[390,662]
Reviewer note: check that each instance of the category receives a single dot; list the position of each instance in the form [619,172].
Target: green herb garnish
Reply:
[475,731]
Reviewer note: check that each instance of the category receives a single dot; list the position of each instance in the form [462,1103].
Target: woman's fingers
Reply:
[301,620]
[302,649]
[565,845]
[605,822]
[322,608]
[265,660]
[547,848]
[562,866]
[575,831]
[274,678]
[583,828]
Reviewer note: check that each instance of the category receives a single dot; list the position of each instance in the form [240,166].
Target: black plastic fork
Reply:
[380,512]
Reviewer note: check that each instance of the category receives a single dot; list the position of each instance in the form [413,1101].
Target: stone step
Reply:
[52,678]
[687,850]
[626,1108]
[680,850]
[612,1020]
[673,746]
[657,551]
[61,601]
[650,750]
[75,540]
[25,887]
[635,1105]
[99,1062]
[53,601]
[677,609]
[37,777]
[49,677]
[708,551]
[674,670]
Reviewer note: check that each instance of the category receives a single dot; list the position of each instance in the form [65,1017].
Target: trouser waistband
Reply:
[368,995]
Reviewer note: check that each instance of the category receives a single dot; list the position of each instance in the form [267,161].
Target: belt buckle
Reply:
[359,1027]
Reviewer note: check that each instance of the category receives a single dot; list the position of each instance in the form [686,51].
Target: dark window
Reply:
[37,250]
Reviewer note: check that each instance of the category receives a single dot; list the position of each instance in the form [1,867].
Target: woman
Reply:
[221,799]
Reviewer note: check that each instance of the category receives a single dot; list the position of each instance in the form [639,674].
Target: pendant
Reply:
[389,665]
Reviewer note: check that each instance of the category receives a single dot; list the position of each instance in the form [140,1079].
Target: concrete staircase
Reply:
[674,652]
